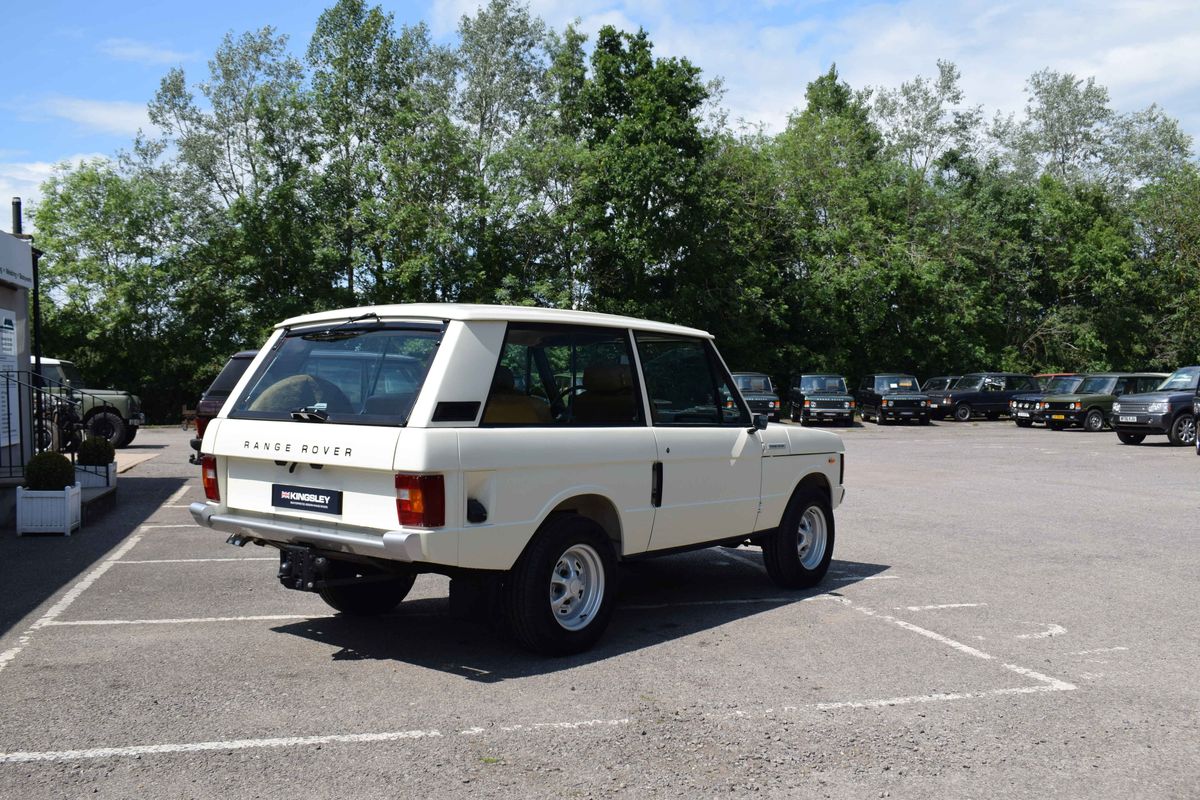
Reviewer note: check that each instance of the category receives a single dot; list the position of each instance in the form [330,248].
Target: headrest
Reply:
[606,376]
[503,380]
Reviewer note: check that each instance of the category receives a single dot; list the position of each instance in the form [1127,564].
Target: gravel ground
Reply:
[1009,614]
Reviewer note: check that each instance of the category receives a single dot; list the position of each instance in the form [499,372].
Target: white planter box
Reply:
[48,512]
[93,477]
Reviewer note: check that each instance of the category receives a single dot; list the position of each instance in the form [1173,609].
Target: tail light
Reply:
[208,474]
[807,403]
[421,500]
[201,424]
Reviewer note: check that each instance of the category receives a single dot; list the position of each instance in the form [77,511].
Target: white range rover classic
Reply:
[525,451]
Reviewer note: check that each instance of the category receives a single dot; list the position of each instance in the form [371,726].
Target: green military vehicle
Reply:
[1090,405]
[111,413]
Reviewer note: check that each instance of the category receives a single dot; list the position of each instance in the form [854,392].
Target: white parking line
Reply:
[1051,630]
[938,607]
[1099,650]
[177,621]
[165,527]
[175,498]
[192,560]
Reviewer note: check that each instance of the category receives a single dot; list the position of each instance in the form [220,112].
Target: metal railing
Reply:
[37,414]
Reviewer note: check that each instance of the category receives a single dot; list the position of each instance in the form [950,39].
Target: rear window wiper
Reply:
[342,331]
[309,415]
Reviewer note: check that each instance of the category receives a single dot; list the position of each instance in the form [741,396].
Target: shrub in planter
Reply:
[94,463]
[50,500]
[95,451]
[49,472]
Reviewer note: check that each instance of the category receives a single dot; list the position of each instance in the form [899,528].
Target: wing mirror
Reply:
[760,423]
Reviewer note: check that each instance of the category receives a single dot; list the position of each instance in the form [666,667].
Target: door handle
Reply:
[656,484]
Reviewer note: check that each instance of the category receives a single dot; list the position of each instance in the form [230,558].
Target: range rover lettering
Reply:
[370,445]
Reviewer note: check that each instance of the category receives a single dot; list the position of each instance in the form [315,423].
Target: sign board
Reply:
[16,261]
[10,416]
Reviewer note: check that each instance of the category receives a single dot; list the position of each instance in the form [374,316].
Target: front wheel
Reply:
[1130,438]
[1183,430]
[1094,421]
[797,554]
[1023,423]
[559,594]
[962,412]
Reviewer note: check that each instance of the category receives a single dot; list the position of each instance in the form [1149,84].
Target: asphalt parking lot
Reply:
[1010,613]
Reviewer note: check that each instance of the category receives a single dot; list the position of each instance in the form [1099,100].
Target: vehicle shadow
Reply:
[658,600]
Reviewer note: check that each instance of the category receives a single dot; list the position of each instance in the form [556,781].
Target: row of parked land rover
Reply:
[1133,404]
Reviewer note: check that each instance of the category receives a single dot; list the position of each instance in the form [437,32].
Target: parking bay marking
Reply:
[70,597]
[1045,683]
[192,560]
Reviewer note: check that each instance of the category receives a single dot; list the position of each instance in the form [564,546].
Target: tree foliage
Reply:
[883,228]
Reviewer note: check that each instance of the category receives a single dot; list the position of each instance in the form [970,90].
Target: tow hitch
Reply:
[302,569]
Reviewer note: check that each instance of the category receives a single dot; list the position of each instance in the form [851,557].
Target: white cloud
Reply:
[24,179]
[118,117]
[143,52]
[767,52]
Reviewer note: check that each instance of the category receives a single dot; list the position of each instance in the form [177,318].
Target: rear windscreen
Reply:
[228,377]
[353,373]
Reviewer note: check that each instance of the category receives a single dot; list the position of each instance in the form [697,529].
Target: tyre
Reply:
[795,417]
[109,426]
[1130,438]
[797,554]
[924,420]
[1055,426]
[1023,423]
[1183,430]
[368,599]
[1094,421]
[962,412]
[559,595]
[993,415]
[131,436]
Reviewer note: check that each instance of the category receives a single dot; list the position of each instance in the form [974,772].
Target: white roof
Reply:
[470,313]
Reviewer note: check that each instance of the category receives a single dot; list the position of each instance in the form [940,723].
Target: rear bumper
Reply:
[406,546]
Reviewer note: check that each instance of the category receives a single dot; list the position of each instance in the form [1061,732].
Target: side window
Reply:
[1020,384]
[1149,384]
[1124,386]
[564,375]
[686,383]
[993,384]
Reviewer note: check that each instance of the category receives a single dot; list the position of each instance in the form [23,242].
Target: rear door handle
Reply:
[656,484]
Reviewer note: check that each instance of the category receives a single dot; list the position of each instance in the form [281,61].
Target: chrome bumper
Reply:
[393,545]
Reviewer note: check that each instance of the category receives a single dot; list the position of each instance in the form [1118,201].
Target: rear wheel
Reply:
[1183,430]
[1023,423]
[1130,438]
[109,425]
[1094,421]
[962,412]
[559,594]
[370,597]
[797,554]
[993,415]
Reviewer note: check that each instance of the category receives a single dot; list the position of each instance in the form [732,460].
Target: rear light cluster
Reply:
[208,474]
[201,424]
[421,500]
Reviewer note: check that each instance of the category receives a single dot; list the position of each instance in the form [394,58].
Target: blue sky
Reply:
[77,75]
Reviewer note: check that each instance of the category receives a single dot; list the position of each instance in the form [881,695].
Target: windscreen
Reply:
[1063,384]
[816,384]
[896,383]
[349,374]
[968,382]
[753,383]
[1096,384]
[1181,380]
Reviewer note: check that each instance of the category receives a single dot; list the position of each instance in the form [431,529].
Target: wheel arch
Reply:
[593,506]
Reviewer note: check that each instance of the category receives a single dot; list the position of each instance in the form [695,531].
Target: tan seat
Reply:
[302,391]
[507,406]
[607,397]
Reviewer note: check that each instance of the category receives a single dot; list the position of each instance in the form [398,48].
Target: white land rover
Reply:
[523,450]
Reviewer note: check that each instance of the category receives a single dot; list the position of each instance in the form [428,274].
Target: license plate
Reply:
[303,498]
[1058,416]
[1128,419]
[906,413]
[1022,413]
